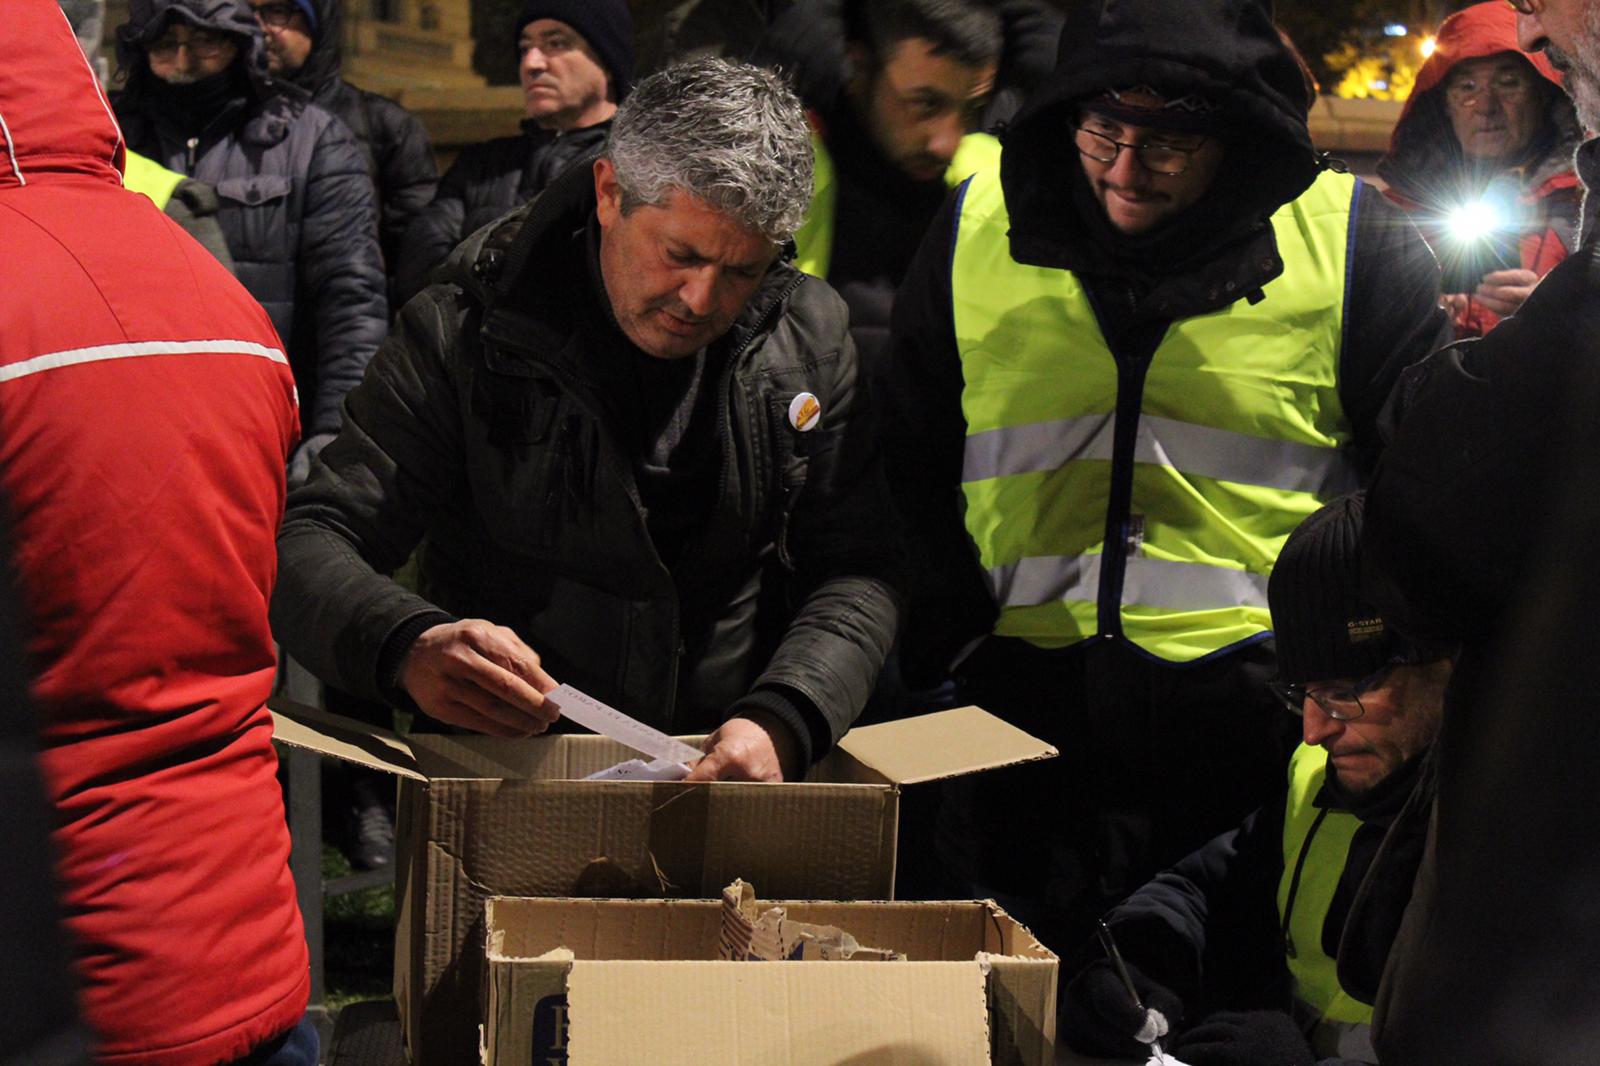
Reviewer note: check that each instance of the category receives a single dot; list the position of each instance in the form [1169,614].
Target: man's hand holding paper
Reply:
[756,746]
[480,676]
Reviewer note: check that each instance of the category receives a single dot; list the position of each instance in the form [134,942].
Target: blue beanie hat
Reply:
[309,10]
[606,24]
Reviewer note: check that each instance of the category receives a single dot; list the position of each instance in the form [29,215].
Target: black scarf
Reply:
[193,107]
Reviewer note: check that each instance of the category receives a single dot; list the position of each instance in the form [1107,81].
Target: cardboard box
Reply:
[480,816]
[614,981]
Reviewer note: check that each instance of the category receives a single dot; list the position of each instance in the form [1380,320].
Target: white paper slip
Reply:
[1161,1058]
[591,713]
[639,770]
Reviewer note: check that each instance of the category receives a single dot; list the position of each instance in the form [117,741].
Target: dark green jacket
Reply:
[479,433]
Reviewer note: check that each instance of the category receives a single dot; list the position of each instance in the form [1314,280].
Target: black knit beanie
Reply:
[606,24]
[1324,629]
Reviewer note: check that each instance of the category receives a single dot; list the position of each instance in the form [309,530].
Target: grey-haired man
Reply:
[630,441]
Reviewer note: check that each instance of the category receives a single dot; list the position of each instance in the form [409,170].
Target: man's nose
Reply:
[1316,724]
[945,138]
[1126,170]
[698,292]
[534,60]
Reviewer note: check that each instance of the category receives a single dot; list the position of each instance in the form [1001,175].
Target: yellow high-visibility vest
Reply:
[813,241]
[1316,846]
[1158,524]
[142,174]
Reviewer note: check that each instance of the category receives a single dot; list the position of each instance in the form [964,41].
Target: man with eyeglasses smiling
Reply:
[1266,908]
[1126,363]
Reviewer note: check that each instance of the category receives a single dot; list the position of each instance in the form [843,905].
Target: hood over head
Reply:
[54,119]
[1423,148]
[148,19]
[1224,55]
[325,64]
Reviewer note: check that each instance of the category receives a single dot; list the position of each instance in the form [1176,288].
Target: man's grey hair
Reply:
[731,134]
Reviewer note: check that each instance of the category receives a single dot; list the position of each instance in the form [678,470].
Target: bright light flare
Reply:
[1475,221]
[1428,46]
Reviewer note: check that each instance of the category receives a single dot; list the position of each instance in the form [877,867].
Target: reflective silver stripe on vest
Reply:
[1203,450]
[1161,583]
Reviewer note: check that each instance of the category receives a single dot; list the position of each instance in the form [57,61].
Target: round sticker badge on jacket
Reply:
[804,412]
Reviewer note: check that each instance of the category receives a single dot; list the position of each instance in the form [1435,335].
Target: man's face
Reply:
[1494,104]
[1568,32]
[678,274]
[288,36]
[1136,198]
[1399,720]
[917,104]
[184,54]
[564,87]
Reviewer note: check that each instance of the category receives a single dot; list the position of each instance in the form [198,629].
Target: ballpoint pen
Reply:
[1103,931]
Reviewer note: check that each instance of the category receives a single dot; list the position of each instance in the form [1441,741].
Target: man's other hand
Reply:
[1504,291]
[480,676]
[756,746]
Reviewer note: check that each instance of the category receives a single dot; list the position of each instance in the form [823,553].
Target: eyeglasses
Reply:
[1526,7]
[1508,85]
[276,16]
[1157,158]
[1341,704]
[207,44]
[551,43]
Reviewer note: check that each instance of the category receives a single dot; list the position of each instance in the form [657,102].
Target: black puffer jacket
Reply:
[399,154]
[297,204]
[480,433]
[485,182]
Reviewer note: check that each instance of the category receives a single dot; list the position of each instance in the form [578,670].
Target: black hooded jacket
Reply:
[1220,249]
[399,154]
[297,205]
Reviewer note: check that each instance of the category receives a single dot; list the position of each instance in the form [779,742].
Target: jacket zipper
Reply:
[1131,371]
[191,153]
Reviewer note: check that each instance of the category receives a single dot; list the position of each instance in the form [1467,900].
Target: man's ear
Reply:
[607,193]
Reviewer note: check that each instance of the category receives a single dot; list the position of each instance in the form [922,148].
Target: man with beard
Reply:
[297,205]
[1126,363]
[1482,159]
[1252,924]
[1481,526]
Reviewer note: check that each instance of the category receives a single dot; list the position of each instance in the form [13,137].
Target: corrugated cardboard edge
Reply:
[342,738]
[771,1013]
[945,744]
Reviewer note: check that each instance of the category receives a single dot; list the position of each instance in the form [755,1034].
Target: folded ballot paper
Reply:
[751,932]
[669,756]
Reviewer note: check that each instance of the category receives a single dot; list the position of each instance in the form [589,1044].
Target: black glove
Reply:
[1098,1016]
[1245,1038]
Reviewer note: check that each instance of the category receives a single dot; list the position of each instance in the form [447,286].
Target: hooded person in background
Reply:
[302,39]
[1482,160]
[297,203]
[1125,365]
[575,66]
[1253,924]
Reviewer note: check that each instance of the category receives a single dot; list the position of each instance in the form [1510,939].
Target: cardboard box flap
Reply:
[333,735]
[932,747]
[800,1013]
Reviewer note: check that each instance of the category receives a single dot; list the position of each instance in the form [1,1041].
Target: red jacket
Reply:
[146,412]
[1424,154]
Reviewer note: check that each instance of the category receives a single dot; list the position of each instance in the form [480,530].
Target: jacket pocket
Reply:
[255,215]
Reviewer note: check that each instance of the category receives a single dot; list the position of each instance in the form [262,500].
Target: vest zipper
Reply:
[1294,882]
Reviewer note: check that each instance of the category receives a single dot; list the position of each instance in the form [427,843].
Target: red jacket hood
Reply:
[1477,32]
[54,118]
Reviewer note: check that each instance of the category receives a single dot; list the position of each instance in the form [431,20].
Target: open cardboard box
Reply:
[479,816]
[614,981]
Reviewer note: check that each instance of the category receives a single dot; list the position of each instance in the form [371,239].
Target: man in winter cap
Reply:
[576,66]
[1125,365]
[1255,922]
